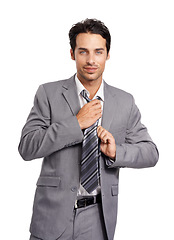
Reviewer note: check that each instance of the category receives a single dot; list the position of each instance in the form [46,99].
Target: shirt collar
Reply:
[80,87]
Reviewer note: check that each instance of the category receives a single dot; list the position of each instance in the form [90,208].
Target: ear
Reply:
[108,56]
[72,54]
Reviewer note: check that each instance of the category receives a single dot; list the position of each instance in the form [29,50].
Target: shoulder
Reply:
[123,100]
[118,93]
[51,88]
[59,83]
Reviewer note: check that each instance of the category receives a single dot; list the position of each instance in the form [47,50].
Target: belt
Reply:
[84,202]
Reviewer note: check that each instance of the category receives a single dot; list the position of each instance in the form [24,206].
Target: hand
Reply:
[107,146]
[89,114]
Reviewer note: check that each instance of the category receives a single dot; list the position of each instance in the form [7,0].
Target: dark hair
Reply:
[89,26]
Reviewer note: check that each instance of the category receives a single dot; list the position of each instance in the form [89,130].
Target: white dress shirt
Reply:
[100,93]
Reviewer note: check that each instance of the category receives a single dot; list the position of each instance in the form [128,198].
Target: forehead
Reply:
[90,41]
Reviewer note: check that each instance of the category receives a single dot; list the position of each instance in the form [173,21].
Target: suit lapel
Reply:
[108,107]
[70,94]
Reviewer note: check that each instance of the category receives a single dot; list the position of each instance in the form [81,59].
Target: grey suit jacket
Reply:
[52,132]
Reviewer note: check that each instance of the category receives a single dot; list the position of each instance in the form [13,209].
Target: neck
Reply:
[91,85]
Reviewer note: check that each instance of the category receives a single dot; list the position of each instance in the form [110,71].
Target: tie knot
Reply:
[85,96]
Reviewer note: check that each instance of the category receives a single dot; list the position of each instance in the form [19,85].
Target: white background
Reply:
[34,49]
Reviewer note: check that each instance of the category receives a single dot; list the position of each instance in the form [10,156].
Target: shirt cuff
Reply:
[109,161]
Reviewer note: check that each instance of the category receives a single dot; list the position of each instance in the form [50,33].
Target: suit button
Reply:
[74,189]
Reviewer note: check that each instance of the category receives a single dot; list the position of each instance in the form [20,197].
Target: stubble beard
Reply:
[83,76]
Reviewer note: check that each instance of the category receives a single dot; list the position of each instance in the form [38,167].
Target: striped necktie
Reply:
[90,155]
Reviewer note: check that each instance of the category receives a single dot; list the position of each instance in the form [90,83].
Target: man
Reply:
[85,130]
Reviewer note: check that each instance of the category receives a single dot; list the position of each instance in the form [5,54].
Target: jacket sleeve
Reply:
[138,151]
[39,137]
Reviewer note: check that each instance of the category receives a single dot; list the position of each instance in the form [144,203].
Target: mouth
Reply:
[90,69]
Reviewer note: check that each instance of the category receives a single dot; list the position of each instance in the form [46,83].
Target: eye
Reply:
[99,52]
[82,52]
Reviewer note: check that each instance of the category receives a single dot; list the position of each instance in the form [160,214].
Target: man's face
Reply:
[90,55]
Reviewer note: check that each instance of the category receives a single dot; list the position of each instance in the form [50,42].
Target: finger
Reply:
[91,107]
[95,102]
[102,133]
[100,129]
[97,116]
[104,137]
[95,110]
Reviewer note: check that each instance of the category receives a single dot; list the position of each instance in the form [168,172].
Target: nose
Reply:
[90,59]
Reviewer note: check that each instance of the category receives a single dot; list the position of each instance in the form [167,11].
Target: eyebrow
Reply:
[82,49]
[97,49]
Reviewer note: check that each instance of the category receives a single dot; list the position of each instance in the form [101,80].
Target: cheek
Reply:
[79,62]
[102,63]
[101,60]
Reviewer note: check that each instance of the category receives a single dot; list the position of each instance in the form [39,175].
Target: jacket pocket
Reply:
[48,181]
[114,190]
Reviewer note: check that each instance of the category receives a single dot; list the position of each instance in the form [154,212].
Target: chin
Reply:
[91,77]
